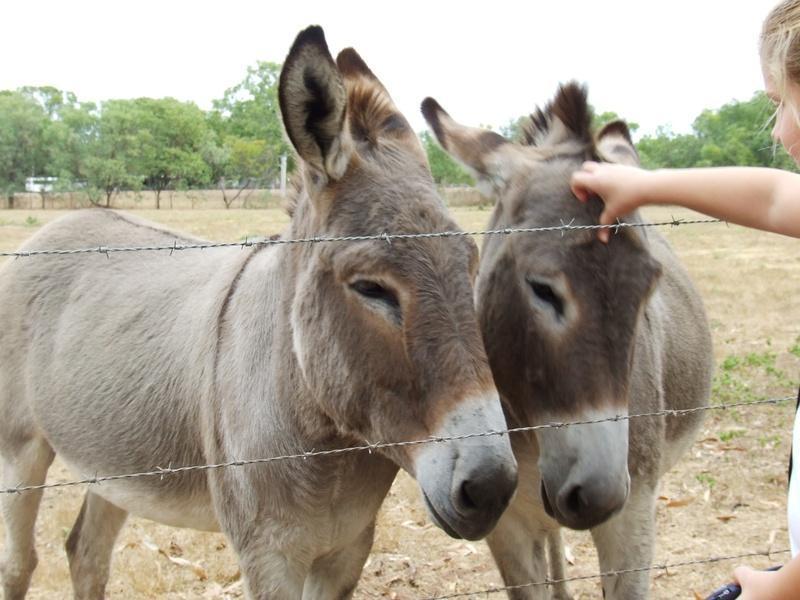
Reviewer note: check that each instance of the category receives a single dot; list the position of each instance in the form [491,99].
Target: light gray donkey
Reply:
[578,330]
[139,360]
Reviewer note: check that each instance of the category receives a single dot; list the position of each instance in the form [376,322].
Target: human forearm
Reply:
[783,584]
[766,199]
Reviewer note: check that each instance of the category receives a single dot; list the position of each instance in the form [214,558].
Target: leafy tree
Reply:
[241,163]
[171,136]
[250,111]
[114,154]
[737,133]
[669,150]
[22,148]
[444,169]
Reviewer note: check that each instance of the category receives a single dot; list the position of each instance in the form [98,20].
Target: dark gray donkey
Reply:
[578,330]
[124,363]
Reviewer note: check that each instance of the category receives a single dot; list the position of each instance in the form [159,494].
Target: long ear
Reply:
[313,103]
[372,114]
[614,144]
[490,156]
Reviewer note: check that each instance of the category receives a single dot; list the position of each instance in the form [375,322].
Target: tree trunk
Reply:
[224,195]
[158,199]
[228,203]
[108,197]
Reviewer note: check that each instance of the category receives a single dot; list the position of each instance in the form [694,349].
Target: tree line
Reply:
[161,144]
[143,143]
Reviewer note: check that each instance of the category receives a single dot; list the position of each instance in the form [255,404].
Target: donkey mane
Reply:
[570,107]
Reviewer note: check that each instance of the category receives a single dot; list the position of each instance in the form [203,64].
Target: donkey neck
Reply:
[263,407]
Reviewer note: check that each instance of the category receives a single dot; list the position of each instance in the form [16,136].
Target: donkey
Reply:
[147,359]
[579,330]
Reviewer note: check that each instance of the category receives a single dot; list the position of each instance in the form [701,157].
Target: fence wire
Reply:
[661,567]
[385,237]
[372,447]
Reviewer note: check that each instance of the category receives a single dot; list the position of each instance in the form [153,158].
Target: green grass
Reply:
[706,480]
[727,436]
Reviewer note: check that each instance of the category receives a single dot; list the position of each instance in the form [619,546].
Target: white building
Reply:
[40,184]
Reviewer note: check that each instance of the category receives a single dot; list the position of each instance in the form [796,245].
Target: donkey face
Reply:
[385,334]
[559,313]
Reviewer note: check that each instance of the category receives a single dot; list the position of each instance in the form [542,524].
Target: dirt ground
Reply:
[726,497]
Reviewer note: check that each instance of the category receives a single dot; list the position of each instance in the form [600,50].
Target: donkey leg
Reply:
[269,572]
[557,562]
[90,543]
[335,576]
[26,465]
[518,548]
[626,542]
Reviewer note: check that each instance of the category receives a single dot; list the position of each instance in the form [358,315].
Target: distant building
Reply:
[40,184]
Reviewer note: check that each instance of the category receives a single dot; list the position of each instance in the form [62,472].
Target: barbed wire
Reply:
[661,567]
[385,237]
[370,448]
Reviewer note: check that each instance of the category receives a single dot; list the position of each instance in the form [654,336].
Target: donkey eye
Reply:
[546,294]
[375,291]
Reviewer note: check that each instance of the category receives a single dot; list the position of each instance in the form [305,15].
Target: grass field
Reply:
[726,497]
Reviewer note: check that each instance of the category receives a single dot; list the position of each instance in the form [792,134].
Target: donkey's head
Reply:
[558,311]
[385,332]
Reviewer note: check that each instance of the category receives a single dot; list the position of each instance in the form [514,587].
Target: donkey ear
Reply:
[372,114]
[490,156]
[614,144]
[313,103]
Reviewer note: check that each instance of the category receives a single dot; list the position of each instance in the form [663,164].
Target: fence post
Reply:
[283,175]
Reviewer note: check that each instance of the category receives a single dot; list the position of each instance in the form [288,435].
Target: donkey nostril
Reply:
[574,502]
[467,495]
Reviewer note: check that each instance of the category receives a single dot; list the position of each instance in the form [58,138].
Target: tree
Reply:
[23,152]
[444,169]
[114,154]
[250,110]
[171,138]
[242,163]
[738,133]
[666,149]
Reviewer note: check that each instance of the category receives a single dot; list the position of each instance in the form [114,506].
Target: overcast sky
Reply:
[653,62]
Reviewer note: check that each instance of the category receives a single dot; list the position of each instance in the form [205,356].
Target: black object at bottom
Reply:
[732,590]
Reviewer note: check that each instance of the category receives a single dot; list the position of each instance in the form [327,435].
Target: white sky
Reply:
[651,61]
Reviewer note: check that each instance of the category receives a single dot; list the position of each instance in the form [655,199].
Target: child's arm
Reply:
[767,199]
[783,584]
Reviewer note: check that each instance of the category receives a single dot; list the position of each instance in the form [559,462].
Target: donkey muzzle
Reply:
[584,471]
[467,483]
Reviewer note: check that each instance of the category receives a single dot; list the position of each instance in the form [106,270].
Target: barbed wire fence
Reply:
[389,238]
[384,237]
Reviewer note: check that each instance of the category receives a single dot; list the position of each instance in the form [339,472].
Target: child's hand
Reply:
[756,585]
[619,186]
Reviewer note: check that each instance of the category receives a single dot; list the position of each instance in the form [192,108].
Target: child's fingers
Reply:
[741,575]
[578,187]
[581,185]
[605,219]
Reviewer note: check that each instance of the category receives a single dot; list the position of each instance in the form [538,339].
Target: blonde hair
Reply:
[780,45]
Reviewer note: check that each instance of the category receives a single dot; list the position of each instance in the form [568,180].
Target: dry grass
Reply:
[726,497]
